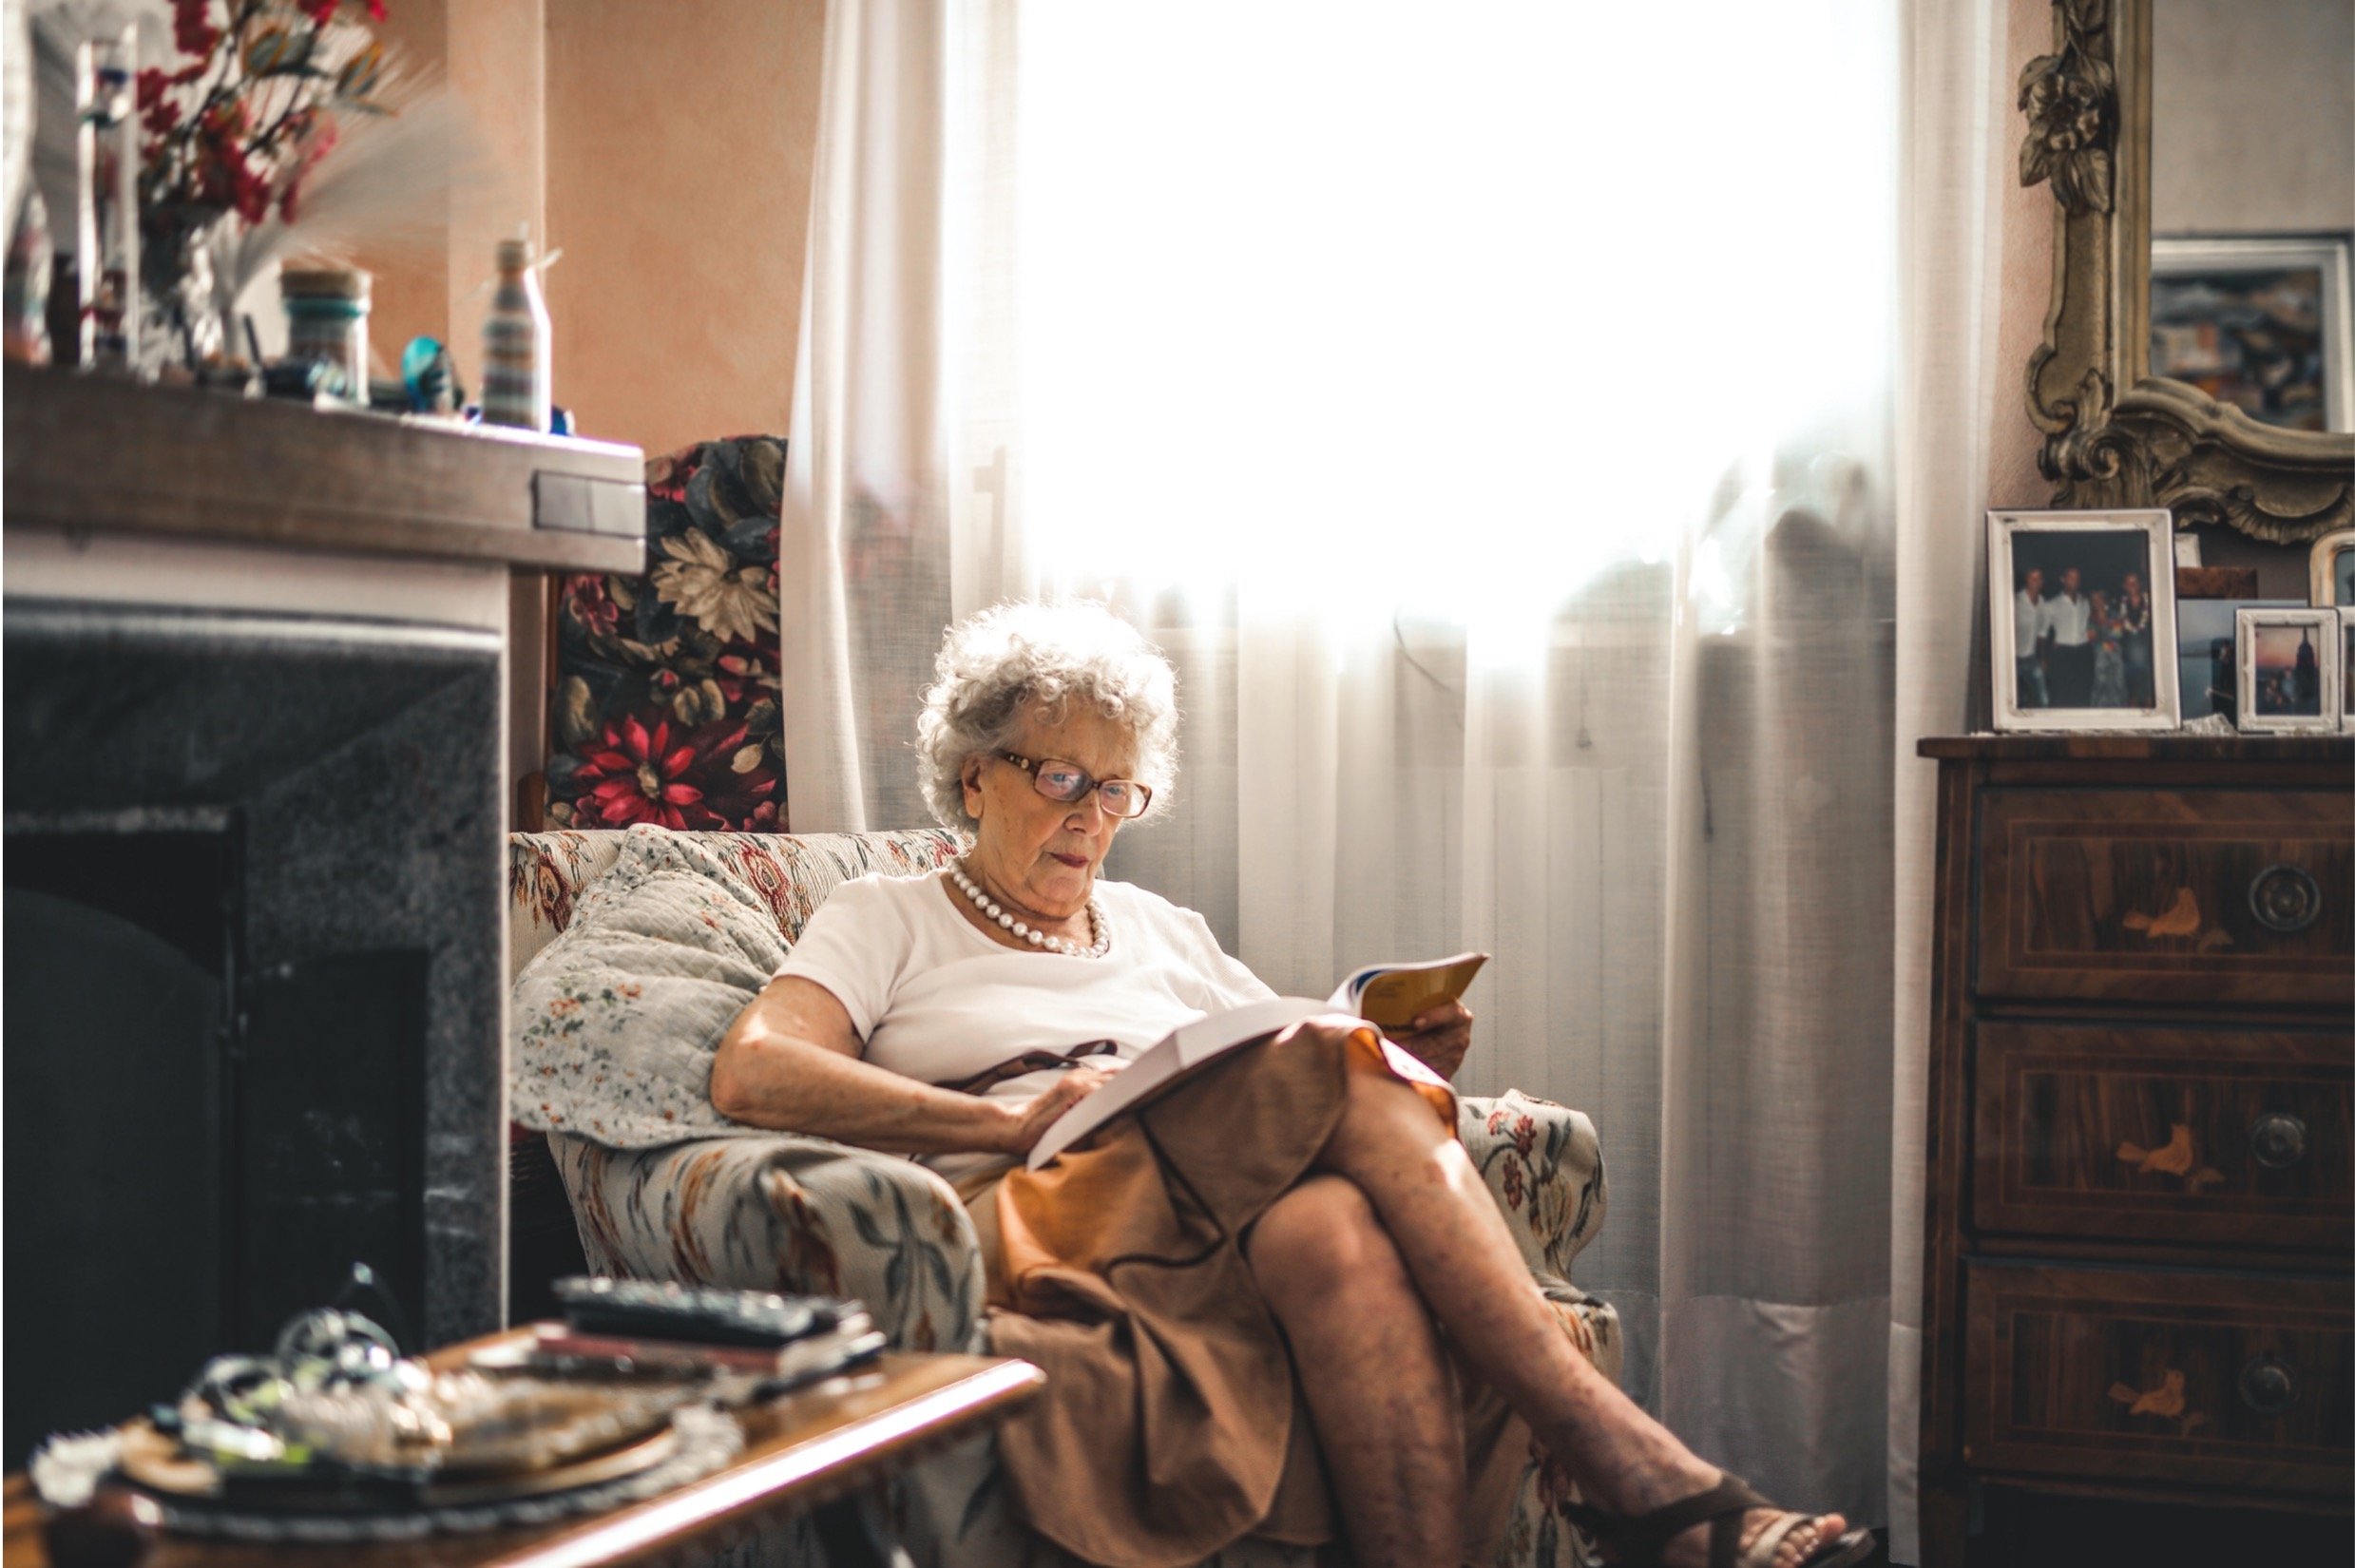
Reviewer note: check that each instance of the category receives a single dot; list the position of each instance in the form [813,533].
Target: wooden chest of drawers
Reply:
[2141,1160]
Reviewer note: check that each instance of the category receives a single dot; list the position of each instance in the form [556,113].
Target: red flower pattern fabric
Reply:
[666,703]
[637,777]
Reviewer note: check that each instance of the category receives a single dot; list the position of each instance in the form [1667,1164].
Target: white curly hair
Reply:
[1013,657]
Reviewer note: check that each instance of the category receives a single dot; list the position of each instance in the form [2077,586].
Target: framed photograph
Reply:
[2258,322]
[2289,663]
[2081,612]
[2330,572]
[2207,663]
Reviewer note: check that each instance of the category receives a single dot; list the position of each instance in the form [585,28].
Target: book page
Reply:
[1188,1045]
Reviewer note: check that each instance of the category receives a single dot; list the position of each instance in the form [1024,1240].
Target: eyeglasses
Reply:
[1070,783]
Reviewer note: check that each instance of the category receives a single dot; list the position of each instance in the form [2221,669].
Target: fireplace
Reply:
[255,961]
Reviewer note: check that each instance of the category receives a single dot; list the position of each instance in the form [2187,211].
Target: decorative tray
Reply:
[155,1462]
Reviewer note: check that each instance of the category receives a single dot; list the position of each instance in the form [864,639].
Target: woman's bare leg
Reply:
[1392,1443]
[1463,1261]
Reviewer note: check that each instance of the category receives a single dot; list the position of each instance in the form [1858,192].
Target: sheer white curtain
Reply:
[1492,415]
[1959,137]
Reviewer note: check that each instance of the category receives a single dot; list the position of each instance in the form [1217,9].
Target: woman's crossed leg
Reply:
[1381,1392]
[1425,1230]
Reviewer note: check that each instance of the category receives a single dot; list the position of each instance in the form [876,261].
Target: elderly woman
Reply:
[1295,1214]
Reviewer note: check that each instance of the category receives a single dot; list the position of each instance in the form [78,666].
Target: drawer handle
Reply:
[2285,900]
[2269,1386]
[2278,1140]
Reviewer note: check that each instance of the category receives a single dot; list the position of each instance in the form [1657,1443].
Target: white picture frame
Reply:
[2047,677]
[2331,552]
[2347,669]
[2216,273]
[2264,666]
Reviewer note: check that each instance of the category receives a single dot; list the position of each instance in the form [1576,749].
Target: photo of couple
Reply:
[2081,622]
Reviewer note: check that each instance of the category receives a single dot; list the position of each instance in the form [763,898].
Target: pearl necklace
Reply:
[1097,921]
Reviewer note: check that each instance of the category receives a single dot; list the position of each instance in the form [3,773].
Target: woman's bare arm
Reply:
[791,1061]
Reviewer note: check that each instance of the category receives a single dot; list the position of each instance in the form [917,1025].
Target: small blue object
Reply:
[431,376]
[560,422]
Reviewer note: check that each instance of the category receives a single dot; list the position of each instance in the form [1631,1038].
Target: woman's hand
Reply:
[1438,1037]
[1026,1124]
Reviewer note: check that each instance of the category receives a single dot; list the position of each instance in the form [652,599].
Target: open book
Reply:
[1390,995]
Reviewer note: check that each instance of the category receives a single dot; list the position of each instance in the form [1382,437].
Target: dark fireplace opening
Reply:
[331,1161]
[118,1008]
[199,1149]
[253,883]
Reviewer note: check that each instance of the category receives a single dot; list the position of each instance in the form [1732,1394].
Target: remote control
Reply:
[699,1314]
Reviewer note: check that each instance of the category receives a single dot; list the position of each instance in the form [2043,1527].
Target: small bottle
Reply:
[516,388]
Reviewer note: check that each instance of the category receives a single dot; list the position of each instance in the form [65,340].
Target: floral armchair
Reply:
[805,1214]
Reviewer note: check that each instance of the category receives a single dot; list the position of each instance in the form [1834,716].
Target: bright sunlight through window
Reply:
[1436,308]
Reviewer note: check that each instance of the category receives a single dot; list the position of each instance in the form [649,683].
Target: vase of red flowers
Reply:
[184,320]
[231,133]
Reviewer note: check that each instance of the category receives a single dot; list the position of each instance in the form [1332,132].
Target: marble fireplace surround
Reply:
[358,764]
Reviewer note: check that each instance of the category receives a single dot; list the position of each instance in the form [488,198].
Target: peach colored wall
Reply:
[679,146]
[490,55]
[412,289]
[497,71]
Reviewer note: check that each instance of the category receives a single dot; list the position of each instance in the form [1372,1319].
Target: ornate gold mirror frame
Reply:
[2115,435]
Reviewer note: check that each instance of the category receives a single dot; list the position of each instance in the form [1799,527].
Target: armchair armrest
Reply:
[1543,1166]
[781,1212]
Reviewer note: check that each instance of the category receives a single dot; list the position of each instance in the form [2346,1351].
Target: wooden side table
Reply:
[806,1452]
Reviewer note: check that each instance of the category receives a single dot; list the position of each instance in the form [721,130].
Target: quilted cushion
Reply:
[615,1022]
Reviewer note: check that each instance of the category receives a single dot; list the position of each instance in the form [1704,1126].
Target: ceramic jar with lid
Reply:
[327,321]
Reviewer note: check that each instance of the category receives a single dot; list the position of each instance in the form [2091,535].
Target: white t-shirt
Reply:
[934,999]
[2069,620]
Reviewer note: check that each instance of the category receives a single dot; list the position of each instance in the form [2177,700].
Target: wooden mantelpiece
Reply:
[88,454]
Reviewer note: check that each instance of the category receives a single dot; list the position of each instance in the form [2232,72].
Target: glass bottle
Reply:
[516,384]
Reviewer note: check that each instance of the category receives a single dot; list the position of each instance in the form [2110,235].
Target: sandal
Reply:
[1639,1543]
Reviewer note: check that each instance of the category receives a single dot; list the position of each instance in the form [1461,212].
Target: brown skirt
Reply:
[1172,1424]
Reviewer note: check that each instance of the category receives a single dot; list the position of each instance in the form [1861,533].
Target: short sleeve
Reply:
[857,945]
[1227,983]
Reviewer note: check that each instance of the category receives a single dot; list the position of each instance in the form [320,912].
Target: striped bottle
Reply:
[515,344]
